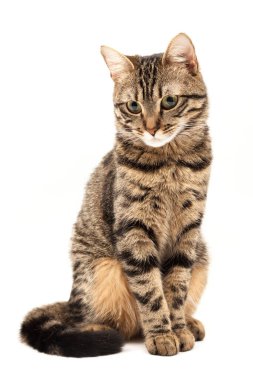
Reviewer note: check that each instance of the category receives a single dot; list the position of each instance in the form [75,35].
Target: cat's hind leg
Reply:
[112,302]
[196,327]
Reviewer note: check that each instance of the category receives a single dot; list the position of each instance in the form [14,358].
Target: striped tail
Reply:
[46,329]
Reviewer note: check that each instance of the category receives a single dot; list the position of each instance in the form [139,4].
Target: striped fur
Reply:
[139,261]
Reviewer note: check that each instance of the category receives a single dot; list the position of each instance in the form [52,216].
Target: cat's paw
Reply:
[186,339]
[196,328]
[162,344]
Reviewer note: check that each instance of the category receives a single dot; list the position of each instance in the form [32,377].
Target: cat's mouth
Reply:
[160,139]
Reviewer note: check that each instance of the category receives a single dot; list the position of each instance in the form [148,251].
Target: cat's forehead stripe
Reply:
[147,74]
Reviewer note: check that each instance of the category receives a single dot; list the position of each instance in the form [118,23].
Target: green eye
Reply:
[133,106]
[169,102]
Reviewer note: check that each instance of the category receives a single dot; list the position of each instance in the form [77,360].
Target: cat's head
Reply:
[158,97]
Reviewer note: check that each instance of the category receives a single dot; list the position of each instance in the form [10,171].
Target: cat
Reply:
[139,260]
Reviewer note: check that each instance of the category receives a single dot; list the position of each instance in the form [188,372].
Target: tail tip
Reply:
[90,343]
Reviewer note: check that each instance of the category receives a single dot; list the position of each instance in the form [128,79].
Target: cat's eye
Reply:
[169,102]
[133,106]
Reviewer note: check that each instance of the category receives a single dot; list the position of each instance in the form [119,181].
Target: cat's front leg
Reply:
[176,284]
[177,274]
[137,251]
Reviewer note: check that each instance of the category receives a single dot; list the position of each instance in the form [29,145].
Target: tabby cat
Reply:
[139,260]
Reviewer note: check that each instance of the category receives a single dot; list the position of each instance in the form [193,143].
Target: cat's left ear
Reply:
[118,64]
[181,50]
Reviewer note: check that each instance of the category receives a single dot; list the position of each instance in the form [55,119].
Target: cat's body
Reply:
[139,261]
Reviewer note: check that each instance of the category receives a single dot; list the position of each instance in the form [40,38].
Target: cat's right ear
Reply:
[181,50]
[118,64]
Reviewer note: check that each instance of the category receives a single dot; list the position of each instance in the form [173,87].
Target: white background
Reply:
[56,120]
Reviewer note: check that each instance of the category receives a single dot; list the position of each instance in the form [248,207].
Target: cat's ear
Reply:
[181,50]
[118,64]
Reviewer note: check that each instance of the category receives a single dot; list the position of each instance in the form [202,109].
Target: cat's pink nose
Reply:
[150,123]
[152,131]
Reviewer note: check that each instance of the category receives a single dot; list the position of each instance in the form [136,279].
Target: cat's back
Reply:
[96,217]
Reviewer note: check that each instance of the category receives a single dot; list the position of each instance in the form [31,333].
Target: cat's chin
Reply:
[159,140]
